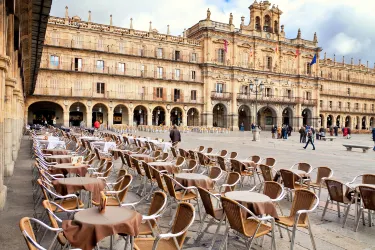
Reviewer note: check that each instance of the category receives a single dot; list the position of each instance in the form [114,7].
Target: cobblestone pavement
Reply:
[329,233]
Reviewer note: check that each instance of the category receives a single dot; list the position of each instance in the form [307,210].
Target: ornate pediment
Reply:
[268,50]
[245,45]
[308,56]
[289,53]
[220,41]
[221,76]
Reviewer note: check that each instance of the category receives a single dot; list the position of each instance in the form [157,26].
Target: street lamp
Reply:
[259,86]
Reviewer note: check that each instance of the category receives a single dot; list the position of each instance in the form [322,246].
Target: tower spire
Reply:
[131,23]
[299,34]
[66,12]
[168,31]
[89,20]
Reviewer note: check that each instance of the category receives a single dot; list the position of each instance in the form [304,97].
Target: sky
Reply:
[344,27]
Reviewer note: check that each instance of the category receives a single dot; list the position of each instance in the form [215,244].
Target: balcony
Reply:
[125,50]
[307,102]
[225,96]
[345,94]
[113,70]
[243,97]
[354,110]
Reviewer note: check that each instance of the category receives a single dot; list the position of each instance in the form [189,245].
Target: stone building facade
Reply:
[208,76]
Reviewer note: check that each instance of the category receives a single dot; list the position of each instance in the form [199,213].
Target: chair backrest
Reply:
[184,218]
[158,203]
[367,196]
[101,164]
[158,176]
[335,190]
[124,187]
[96,150]
[201,148]
[223,153]
[266,172]
[137,165]
[233,155]
[233,212]
[256,158]
[304,166]
[170,185]
[192,166]
[183,153]
[215,172]
[60,237]
[180,160]
[323,172]
[108,169]
[207,201]
[272,189]
[209,150]
[203,160]
[120,176]
[191,154]
[289,178]
[368,179]
[164,156]
[237,166]
[221,162]
[128,160]
[26,227]
[303,200]
[147,169]
[157,153]
[270,162]
[232,178]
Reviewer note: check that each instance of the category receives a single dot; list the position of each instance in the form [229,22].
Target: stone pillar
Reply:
[110,118]
[89,117]
[15,125]
[168,118]
[184,118]
[8,126]
[149,117]
[234,124]
[66,118]
[131,117]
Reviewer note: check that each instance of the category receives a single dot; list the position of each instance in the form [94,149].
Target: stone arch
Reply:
[120,114]
[267,23]
[257,23]
[220,118]
[177,114]
[364,122]
[266,117]
[100,113]
[42,112]
[330,121]
[244,117]
[348,121]
[372,120]
[192,117]
[140,115]
[159,116]
[307,117]
[287,117]
[276,26]
[338,121]
[78,114]
[321,117]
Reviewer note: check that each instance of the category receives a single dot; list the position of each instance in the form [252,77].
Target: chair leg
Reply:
[311,234]
[346,214]
[338,209]
[225,239]
[200,229]
[293,236]
[280,232]
[325,209]
[358,218]
[216,232]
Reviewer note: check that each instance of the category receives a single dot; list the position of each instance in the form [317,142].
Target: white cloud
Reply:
[343,26]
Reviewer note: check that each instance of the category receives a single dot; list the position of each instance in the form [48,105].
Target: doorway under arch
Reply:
[306,117]
[43,113]
[176,116]
[99,113]
[364,122]
[120,114]
[219,116]
[158,116]
[193,117]
[348,121]
[329,121]
[77,114]
[267,117]
[288,117]
[338,121]
[244,117]
[140,115]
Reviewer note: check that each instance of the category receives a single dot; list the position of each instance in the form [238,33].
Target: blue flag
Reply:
[313,60]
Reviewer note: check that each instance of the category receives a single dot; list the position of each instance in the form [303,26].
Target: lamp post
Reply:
[259,86]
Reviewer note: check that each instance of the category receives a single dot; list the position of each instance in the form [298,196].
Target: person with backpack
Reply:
[310,138]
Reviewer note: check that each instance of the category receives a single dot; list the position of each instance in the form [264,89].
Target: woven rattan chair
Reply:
[223,153]
[336,193]
[174,152]
[118,195]
[192,155]
[221,162]
[273,190]
[366,179]
[163,157]
[251,228]
[269,161]
[322,174]
[192,167]
[106,171]
[290,180]
[149,224]
[303,166]
[240,168]
[368,202]
[209,150]
[204,162]
[216,213]
[232,179]
[183,153]
[199,149]
[304,203]
[255,158]
[174,239]
[233,155]
[267,172]
[151,179]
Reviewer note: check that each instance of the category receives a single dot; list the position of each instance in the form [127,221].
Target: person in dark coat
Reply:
[175,135]
[310,136]
[373,137]
[336,129]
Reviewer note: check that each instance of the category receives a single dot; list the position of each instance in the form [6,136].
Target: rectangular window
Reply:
[372,107]
[177,55]
[330,104]
[267,92]
[100,44]
[159,53]
[121,68]
[160,72]
[269,62]
[100,87]
[193,57]
[321,73]
[193,75]
[121,48]
[356,106]
[308,95]
[348,91]
[221,56]
[78,64]
[159,92]
[193,95]
[245,59]
[339,105]
[289,93]
[321,87]
[177,74]
[348,105]
[219,88]
[321,103]
[54,61]
[100,64]
[308,68]
[365,106]
[176,94]
[142,70]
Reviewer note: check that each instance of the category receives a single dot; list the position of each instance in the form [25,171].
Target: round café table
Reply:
[115,152]
[301,173]
[56,151]
[59,158]
[259,204]
[195,180]
[143,157]
[71,185]
[68,168]
[89,226]
[167,166]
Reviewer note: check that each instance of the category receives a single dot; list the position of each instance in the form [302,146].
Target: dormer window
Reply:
[267,23]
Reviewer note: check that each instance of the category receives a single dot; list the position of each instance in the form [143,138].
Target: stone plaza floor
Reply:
[328,234]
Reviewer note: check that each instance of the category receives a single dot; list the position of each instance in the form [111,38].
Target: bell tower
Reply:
[263,18]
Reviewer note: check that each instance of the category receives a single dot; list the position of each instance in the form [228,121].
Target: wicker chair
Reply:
[158,204]
[209,150]
[303,167]
[230,183]
[174,239]
[217,214]
[240,168]
[233,155]
[366,179]
[290,180]
[140,174]
[267,172]
[204,162]
[221,162]
[302,205]
[269,161]
[273,190]
[192,155]
[117,196]
[337,193]
[322,174]
[368,202]
[223,153]
[192,167]
[174,152]
[200,149]
[183,153]
[251,228]
[106,171]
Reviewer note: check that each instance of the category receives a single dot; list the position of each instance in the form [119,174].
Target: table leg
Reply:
[111,242]
[131,242]
[356,206]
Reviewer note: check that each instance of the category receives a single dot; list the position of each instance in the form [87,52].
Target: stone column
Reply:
[131,117]
[8,126]
[149,117]
[66,118]
[168,118]
[89,117]
[15,125]
[110,118]
[184,118]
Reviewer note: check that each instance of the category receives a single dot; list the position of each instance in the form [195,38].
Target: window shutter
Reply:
[216,55]
[164,94]
[154,94]
[181,95]
[182,75]
[172,94]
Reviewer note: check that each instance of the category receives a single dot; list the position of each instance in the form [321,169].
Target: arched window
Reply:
[267,23]
[276,27]
[257,23]
[245,59]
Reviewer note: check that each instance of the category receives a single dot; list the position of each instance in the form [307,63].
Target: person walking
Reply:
[175,135]
[96,124]
[273,131]
[336,129]
[302,134]
[373,137]
[279,132]
[54,121]
[310,136]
